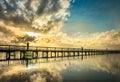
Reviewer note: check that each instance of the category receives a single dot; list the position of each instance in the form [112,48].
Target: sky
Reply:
[61,23]
[93,16]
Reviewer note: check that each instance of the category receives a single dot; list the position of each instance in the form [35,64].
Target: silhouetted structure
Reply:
[27,45]
[28,53]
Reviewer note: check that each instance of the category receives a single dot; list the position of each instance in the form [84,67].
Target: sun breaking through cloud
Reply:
[40,21]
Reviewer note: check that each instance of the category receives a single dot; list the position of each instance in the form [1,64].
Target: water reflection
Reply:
[99,69]
[90,69]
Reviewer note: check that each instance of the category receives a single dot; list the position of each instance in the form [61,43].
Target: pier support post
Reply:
[8,55]
[82,53]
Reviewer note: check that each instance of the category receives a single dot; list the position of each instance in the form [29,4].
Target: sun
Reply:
[32,34]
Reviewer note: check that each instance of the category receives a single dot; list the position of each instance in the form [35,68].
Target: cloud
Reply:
[38,14]
[108,39]
[23,39]
[46,18]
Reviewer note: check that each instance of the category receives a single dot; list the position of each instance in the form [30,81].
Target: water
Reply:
[91,69]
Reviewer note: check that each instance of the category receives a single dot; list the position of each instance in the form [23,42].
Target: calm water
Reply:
[90,69]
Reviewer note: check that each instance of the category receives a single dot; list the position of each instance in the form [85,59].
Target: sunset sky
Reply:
[61,23]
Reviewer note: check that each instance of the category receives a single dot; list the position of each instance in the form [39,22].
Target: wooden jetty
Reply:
[28,53]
